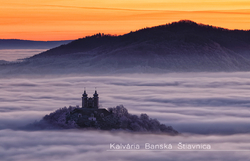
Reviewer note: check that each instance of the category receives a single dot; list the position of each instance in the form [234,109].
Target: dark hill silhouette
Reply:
[184,30]
[178,46]
[118,118]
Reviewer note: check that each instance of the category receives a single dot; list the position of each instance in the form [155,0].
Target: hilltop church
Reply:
[90,108]
[91,102]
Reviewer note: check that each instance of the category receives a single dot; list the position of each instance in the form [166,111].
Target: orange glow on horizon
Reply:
[64,19]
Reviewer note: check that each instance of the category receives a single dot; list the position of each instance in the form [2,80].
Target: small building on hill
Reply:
[90,102]
[90,110]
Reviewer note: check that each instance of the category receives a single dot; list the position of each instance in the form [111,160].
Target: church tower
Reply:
[84,99]
[96,100]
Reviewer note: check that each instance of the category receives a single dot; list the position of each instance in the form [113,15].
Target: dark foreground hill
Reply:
[183,46]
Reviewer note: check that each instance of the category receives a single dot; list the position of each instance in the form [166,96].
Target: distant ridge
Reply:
[189,31]
[183,46]
[29,44]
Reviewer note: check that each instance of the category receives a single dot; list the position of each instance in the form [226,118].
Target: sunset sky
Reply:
[72,19]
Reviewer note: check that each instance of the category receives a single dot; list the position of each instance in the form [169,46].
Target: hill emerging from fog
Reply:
[183,46]
[117,118]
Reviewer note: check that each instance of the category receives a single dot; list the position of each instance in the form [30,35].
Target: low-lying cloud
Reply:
[94,145]
[215,105]
[185,100]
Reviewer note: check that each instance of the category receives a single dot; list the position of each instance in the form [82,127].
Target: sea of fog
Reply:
[15,54]
[206,108]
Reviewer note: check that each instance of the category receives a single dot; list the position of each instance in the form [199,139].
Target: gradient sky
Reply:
[72,19]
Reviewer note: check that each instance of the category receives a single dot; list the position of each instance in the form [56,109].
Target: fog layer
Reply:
[81,145]
[194,103]
[215,103]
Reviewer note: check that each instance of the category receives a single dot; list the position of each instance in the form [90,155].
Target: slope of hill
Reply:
[180,46]
[117,118]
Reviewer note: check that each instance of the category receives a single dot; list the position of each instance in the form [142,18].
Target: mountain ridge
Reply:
[183,46]
[185,27]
